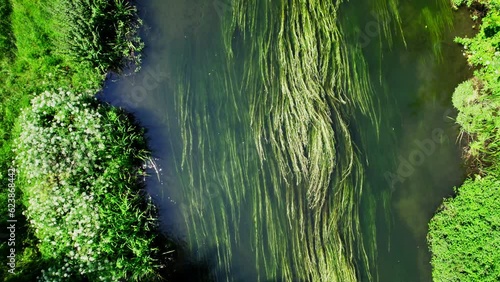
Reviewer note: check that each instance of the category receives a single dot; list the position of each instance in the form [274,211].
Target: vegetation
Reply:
[301,119]
[464,235]
[458,3]
[6,36]
[271,135]
[100,33]
[77,159]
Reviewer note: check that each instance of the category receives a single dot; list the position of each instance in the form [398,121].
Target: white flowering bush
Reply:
[79,162]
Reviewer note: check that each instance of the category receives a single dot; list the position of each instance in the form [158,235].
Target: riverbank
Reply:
[71,175]
[464,235]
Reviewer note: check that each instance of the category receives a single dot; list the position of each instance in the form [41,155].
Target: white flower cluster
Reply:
[59,155]
[60,133]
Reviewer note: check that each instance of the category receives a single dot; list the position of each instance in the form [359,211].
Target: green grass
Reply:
[28,67]
[100,33]
[464,234]
[79,162]
[34,59]
[12,99]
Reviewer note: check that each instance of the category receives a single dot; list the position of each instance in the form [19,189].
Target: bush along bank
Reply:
[78,179]
[464,235]
[79,161]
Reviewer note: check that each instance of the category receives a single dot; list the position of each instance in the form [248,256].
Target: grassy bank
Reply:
[79,161]
[85,215]
[464,235]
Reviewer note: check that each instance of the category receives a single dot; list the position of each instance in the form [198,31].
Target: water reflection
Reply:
[413,79]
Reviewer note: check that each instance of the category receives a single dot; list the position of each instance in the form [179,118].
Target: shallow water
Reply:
[226,208]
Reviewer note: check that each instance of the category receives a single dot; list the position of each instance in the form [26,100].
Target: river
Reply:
[222,175]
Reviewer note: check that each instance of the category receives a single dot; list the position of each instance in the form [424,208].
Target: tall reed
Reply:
[101,33]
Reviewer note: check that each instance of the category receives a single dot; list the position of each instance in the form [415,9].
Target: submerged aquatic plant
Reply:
[305,88]
[271,133]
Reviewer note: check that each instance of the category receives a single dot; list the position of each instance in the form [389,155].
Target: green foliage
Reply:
[39,64]
[465,235]
[30,67]
[79,160]
[31,61]
[457,3]
[463,95]
[483,51]
[470,3]
[6,35]
[101,33]
[478,100]
[11,100]
[478,117]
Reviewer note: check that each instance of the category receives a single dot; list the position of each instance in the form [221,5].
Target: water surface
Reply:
[227,206]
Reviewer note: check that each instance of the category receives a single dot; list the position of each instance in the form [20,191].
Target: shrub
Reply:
[102,33]
[464,236]
[477,116]
[457,3]
[80,162]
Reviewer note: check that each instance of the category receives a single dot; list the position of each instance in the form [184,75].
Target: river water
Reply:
[226,206]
